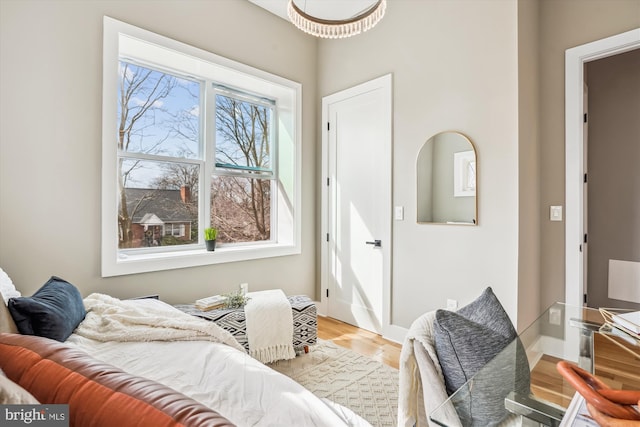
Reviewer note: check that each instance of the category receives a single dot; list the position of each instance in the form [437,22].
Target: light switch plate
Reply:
[555,213]
[399,213]
[555,316]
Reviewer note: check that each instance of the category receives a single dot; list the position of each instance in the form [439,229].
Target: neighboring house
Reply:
[156,214]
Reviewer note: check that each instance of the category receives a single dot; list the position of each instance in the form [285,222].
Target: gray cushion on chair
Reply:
[466,341]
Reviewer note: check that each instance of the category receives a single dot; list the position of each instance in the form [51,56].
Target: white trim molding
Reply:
[122,40]
[575,58]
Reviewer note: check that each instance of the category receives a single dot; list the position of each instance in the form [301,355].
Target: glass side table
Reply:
[562,332]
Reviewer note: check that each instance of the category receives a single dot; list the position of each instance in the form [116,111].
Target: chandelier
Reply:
[336,28]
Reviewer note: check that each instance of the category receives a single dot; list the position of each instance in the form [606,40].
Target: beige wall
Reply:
[467,65]
[565,24]
[529,162]
[614,181]
[454,66]
[50,138]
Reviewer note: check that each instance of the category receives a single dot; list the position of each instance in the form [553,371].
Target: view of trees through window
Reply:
[162,159]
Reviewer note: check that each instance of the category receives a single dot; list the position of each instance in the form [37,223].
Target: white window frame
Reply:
[122,40]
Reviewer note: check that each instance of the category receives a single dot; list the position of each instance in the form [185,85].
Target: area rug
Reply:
[367,387]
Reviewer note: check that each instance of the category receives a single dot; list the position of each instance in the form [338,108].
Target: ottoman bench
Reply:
[305,321]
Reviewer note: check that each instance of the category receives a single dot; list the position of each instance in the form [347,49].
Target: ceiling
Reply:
[326,9]
[277,7]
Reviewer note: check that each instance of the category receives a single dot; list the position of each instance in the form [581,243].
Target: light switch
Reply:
[244,288]
[399,213]
[555,213]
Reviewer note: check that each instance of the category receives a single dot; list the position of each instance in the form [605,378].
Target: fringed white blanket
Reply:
[269,326]
[111,319]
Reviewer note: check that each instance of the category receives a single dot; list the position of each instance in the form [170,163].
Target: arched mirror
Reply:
[446,172]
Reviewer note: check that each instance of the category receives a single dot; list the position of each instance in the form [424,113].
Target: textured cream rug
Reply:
[367,387]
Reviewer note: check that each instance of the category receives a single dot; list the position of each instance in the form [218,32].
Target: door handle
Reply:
[375,243]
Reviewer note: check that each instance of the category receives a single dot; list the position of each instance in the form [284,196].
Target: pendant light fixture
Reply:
[335,28]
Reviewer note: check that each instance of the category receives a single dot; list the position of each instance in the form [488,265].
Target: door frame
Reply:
[575,58]
[385,84]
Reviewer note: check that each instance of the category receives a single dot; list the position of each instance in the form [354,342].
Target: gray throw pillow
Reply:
[465,342]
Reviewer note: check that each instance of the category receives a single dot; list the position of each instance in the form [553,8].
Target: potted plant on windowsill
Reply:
[210,235]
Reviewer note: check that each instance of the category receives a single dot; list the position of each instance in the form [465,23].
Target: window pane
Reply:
[158,113]
[242,135]
[156,201]
[241,209]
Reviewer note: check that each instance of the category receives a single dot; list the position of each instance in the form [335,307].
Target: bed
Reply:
[197,361]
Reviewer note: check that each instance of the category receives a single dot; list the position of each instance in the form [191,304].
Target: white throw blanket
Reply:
[269,326]
[410,393]
[111,319]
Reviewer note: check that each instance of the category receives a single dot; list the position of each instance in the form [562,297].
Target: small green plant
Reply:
[236,300]
[210,233]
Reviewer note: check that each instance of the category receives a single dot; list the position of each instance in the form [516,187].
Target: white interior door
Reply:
[358,204]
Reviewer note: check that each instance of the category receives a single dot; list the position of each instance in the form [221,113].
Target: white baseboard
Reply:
[320,309]
[393,333]
[545,345]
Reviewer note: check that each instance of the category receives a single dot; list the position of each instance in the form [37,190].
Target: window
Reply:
[244,176]
[175,230]
[159,156]
[192,140]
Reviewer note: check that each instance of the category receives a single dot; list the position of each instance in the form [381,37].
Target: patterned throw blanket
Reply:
[269,326]
[111,319]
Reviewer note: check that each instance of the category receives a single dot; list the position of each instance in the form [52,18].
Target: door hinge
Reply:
[327,181]
[580,248]
[585,238]
[585,118]
[327,237]
[328,126]
[585,178]
[327,292]
[584,298]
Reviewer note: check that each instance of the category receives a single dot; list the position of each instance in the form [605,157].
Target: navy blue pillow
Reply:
[54,311]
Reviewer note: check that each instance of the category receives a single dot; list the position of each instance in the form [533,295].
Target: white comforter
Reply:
[239,387]
[111,319]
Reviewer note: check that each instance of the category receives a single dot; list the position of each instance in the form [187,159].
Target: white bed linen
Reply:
[239,387]
[110,319]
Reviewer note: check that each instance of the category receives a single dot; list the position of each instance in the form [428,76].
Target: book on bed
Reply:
[210,303]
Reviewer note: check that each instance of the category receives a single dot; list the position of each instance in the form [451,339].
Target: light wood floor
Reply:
[616,367]
[359,340]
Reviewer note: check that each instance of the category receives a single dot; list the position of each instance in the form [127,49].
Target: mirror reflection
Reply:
[446,173]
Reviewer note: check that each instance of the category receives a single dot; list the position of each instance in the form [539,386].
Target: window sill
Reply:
[143,263]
